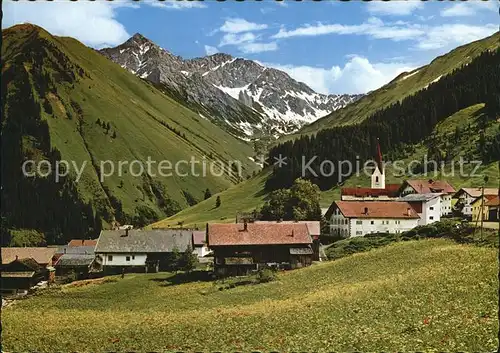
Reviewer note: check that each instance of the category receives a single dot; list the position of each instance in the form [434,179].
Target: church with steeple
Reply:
[378,176]
[379,190]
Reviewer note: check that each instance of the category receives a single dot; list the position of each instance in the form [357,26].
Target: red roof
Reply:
[390,190]
[314,227]
[476,192]
[430,186]
[376,209]
[199,237]
[82,242]
[258,234]
[495,201]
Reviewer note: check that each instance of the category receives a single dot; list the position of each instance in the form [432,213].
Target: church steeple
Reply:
[378,176]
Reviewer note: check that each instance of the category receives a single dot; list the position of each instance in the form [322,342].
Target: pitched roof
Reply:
[430,186]
[419,197]
[390,190]
[144,241]
[82,242]
[495,201]
[75,260]
[199,237]
[258,234]
[89,250]
[376,209]
[42,256]
[476,192]
[313,227]
[486,199]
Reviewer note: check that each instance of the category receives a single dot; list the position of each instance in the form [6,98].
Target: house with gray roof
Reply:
[427,206]
[75,260]
[139,250]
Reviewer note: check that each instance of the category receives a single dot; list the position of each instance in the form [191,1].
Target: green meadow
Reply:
[427,295]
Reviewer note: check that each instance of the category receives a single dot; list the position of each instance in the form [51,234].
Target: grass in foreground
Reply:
[419,295]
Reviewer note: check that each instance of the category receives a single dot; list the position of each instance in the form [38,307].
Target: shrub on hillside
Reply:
[449,228]
[266,275]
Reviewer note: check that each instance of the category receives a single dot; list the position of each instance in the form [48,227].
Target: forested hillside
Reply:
[404,85]
[399,125]
[64,101]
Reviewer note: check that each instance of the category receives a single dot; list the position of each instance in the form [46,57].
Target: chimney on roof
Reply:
[366,210]
[431,181]
[408,211]
[245,225]
[17,257]
[292,233]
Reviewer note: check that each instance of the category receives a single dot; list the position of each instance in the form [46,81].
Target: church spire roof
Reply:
[378,157]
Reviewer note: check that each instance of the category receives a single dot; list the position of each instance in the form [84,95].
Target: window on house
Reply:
[127,258]
[431,208]
[133,257]
[431,217]
[359,222]
[358,232]
[372,222]
[376,179]
[110,257]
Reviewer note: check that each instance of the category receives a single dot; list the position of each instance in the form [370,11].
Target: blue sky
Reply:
[334,47]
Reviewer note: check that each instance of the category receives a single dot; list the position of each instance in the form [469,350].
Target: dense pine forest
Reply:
[399,125]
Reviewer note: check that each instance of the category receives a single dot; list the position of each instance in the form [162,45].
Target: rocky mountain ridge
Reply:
[239,94]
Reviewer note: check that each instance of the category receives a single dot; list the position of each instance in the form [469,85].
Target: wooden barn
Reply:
[20,275]
[243,247]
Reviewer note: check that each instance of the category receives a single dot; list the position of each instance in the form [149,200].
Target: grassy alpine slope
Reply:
[250,194]
[428,295]
[143,122]
[402,86]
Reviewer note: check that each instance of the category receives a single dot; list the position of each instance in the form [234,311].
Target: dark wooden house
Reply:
[243,247]
[20,275]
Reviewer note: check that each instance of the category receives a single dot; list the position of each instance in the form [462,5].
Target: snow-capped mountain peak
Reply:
[239,94]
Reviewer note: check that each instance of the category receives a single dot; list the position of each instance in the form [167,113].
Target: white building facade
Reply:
[427,206]
[357,218]
[120,259]
[438,187]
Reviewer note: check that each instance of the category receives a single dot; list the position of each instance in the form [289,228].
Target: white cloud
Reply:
[448,36]
[240,33]
[93,23]
[235,39]
[357,76]
[253,48]
[470,8]
[393,8]
[209,50]
[176,5]
[374,28]
[425,37]
[238,25]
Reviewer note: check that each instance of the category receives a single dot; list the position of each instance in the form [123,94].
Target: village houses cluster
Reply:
[397,208]
[245,246]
